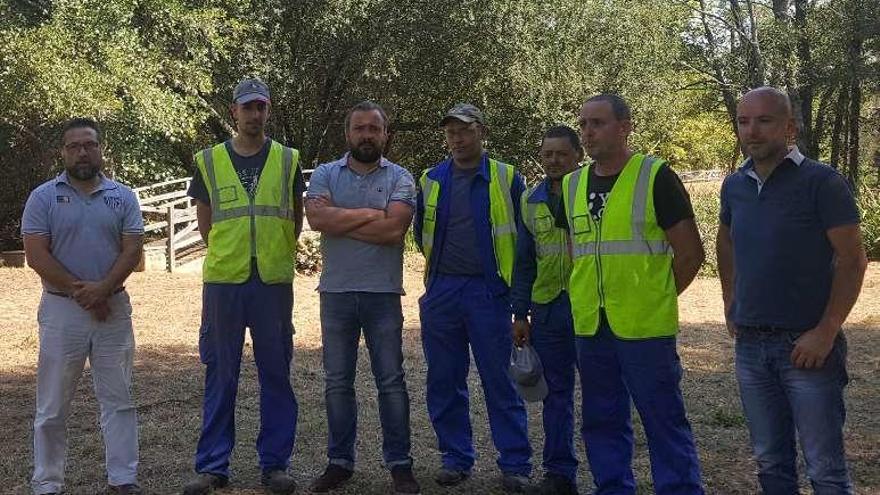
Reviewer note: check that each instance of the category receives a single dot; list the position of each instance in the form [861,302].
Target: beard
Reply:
[84,171]
[366,152]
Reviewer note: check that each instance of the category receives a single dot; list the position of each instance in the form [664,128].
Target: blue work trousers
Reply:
[458,312]
[646,371]
[780,400]
[552,337]
[267,311]
[343,315]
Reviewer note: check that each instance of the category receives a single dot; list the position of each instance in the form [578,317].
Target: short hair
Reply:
[618,105]
[366,106]
[80,122]
[564,131]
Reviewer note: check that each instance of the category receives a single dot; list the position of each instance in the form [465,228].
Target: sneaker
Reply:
[403,481]
[205,483]
[127,489]
[514,483]
[278,481]
[553,484]
[334,477]
[451,477]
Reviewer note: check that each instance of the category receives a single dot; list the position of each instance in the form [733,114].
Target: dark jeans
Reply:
[343,315]
[780,400]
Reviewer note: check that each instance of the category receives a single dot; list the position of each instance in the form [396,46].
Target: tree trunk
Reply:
[855,101]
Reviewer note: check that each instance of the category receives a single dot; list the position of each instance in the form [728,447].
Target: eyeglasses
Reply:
[88,146]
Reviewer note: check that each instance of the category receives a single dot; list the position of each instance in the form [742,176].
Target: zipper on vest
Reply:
[253,226]
[599,264]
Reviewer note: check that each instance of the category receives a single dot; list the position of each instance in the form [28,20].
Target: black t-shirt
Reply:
[248,169]
[672,203]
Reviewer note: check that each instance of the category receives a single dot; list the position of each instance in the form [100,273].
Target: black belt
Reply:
[766,328]
[64,294]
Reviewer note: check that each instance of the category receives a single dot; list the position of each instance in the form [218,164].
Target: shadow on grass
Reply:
[168,392]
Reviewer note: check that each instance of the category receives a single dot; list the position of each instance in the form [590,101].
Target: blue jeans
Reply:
[648,371]
[343,315]
[780,400]
[459,316]
[267,310]
[553,340]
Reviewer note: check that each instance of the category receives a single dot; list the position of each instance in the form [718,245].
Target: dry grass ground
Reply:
[168,388]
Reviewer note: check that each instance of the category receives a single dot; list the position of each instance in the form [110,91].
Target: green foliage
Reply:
[868,201]
[706,201]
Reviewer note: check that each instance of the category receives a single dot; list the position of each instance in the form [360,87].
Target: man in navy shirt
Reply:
[791,263]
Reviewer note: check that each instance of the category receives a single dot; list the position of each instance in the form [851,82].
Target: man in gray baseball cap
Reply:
[250,90]
[464,112]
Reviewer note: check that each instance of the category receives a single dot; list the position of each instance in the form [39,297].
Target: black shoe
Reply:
[451,477]
[205,483]
[278,481]
[334,477]
[403,481]
[127,489]
[514,483]
[553,484]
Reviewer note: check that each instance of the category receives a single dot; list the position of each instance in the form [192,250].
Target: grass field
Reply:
[168,390]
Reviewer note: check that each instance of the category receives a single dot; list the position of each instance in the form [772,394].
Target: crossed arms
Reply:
[386,227]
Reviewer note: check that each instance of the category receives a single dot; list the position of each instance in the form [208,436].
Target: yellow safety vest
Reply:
[624,262]
[242,227]
[501,217]
[551,248]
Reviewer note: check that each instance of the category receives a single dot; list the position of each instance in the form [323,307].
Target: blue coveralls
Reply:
[552,337]
[267,310]
[458,311]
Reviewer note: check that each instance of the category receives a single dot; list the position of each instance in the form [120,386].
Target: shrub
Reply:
[308,253]
[706,200]
[869,207]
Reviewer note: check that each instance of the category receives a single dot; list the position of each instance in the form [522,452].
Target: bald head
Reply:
[765,124]
[772,98]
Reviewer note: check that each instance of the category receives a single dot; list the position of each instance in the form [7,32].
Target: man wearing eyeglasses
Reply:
[83,235]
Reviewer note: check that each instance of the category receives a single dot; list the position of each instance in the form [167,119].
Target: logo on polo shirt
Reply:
[114,202]
[62,199]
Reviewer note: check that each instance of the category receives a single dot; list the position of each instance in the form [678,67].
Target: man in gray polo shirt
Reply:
[83,235]
[363,204]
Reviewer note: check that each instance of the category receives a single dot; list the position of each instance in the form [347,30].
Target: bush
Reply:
[706,199]
[308,253]
[869,206]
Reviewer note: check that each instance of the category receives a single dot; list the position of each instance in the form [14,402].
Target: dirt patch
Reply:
[168,388]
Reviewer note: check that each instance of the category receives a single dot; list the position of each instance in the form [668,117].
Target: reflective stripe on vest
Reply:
[623,262]
[501,217]
[552,261]
[245,227]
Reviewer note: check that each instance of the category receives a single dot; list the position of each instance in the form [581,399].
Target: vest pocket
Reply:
[581,224]
[227,194]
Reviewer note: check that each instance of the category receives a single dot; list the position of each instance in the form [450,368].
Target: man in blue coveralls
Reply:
[248,193]
[467,208]
[541,307]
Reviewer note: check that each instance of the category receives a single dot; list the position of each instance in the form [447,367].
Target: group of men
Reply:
[585,267]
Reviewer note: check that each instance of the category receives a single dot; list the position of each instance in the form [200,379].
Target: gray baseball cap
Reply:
[250,90]
[527,373]
[464,112]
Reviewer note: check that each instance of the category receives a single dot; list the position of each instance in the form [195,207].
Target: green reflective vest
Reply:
[501,217]
[242,227]
[551,249]
[624,262]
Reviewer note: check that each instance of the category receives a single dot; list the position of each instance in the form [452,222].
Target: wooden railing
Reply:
[167,209]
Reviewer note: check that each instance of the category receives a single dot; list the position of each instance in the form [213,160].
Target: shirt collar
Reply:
[105,185]
[541,194]
[383,162]
[794,155]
